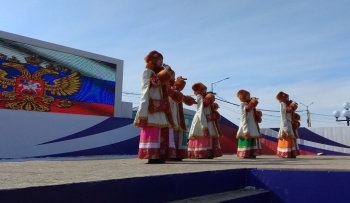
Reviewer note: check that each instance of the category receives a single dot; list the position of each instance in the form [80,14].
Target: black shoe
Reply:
[156,161]
[176,159]
[250,157]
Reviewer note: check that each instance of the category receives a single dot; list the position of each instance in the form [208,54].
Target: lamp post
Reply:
[212,89]
[308,114]
[345,113]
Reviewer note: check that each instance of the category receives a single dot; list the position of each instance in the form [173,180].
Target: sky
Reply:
[298,47]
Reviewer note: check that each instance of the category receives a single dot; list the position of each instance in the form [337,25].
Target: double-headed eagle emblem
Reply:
[30,89]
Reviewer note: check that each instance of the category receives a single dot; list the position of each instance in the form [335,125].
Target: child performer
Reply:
[248,133]
[154,115]
[176,98]
[203,137]
[287,146]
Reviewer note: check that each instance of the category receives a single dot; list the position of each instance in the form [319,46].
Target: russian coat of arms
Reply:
[30,91]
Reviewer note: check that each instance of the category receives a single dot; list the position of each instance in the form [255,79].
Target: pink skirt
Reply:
[199,148]
[156,143]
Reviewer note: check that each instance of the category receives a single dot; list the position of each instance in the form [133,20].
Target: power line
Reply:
[321,114]
[217,98]
[308,113]
[223,100]
[231,107]
[271,115]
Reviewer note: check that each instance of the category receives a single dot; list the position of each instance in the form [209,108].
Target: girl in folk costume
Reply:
[215,117]
[248,133]
[287,135]
[154,114]
[203,137]
[180,131]
[293,106]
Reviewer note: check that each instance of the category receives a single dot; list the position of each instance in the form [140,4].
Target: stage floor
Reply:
[55,171]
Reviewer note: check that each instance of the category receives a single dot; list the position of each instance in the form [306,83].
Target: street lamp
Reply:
[308,114]
[345,113]
[214,83]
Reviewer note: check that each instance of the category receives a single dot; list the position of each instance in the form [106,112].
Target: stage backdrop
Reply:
[312,141]
[30,134]
[56,101]
[27,134]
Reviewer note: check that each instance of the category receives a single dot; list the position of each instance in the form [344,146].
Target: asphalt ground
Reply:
[55,171]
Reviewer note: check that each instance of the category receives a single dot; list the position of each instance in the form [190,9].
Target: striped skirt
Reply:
[249,148]
[287,148]
[204,148]
[181,144]
[156,143]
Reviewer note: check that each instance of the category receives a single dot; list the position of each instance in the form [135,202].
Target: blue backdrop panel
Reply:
[303,186]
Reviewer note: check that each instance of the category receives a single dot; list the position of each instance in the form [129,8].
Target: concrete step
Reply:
[236,196]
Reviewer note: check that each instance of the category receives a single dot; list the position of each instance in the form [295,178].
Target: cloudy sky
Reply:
[299,47]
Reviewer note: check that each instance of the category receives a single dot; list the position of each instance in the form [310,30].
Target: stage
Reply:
[128,179]
[55,171]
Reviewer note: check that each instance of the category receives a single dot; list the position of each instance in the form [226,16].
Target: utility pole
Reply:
[214,83]
[308,114]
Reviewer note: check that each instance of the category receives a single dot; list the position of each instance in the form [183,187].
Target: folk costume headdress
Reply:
[282,97]
[151,61]
[243,95]
[198,88]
